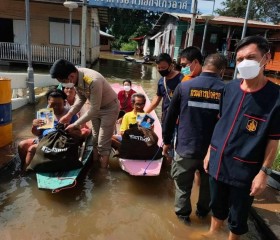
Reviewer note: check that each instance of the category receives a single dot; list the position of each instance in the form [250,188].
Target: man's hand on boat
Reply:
[166,150]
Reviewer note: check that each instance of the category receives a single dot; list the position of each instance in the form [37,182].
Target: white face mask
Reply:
[126,88]
[249,69]
[68,85]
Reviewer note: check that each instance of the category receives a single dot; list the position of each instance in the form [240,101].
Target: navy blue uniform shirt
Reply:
[196,102]
[247,121]
[171,85]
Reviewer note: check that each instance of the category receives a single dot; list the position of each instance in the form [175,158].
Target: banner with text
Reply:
[171,6]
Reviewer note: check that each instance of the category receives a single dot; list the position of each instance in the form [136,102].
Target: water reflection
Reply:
[122,69]
[103,205]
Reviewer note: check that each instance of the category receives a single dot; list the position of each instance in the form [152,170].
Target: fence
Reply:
[39,53]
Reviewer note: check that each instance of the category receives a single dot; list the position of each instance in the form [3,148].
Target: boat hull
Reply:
[57,181]
[141,167]
[123,52]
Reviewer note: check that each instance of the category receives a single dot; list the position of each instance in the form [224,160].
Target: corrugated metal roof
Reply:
[233,21]
[106,34]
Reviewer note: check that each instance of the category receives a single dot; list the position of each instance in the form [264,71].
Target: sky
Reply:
[207,6]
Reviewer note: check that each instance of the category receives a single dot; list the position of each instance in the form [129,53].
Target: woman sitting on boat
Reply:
[56,100]
[124,96]
[70,92]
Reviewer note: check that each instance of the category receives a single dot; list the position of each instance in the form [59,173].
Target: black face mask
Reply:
[165,72]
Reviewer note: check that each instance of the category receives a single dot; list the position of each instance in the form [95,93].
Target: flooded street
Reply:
[109,205]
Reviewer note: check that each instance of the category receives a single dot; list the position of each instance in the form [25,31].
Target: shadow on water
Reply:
[104,204]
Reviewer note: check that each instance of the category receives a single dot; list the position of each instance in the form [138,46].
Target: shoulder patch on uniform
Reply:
[87,79]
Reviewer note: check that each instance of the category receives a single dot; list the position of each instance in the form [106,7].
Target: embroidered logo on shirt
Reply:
[252,125]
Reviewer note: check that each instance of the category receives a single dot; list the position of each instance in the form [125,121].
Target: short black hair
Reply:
[260,41]
[164,57]
[56,93]
[127,80]
[216,60]
[62,68]
[192,53]
[139,95]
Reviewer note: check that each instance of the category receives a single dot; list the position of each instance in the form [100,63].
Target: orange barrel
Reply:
[6,134]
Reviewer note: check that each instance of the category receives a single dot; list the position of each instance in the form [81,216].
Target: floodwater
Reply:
[109,205]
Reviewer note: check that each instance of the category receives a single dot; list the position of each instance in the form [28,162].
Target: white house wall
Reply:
[162,43]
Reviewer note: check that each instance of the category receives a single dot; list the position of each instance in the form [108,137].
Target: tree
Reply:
[262,10]
[126,23]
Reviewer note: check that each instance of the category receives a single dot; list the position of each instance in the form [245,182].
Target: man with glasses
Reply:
[191,63]
[138,101]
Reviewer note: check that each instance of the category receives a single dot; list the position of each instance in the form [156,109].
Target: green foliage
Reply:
[262,10]
[276,164]
[126,23]
[131,46]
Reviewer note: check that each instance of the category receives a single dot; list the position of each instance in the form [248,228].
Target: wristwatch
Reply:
[266,170]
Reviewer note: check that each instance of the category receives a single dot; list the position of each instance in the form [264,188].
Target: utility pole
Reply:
[244,30]
[84,28]
[30,72]
[192,26]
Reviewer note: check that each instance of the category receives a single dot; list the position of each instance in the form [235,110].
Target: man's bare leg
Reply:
[104,161]
[215,227]
[96,155]
[216,224]
[233,236]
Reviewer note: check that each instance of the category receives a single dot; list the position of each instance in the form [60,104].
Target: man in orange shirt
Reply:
[191,63]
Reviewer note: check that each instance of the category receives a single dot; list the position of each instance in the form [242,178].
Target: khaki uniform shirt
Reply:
[92,86]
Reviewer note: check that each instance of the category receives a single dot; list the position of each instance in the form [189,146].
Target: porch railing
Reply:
[39,53]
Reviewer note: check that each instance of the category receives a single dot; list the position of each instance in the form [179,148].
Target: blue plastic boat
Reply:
[57,181]
[123,52]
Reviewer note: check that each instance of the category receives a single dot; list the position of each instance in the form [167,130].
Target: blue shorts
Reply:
[230,202]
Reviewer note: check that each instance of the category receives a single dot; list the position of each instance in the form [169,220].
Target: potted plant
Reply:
[274,178]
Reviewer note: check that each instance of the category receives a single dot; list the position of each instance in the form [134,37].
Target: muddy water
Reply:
[105,204]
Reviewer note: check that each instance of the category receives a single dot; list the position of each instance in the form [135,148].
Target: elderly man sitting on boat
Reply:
[136,132]
[138,101]
[57,101]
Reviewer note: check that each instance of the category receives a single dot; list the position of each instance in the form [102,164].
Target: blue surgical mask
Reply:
[186,70]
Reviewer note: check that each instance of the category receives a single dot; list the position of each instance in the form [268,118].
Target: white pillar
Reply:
[84,28]
[192,26]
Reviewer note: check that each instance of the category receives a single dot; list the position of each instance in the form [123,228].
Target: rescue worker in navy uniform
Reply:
[196,103]
[245,139]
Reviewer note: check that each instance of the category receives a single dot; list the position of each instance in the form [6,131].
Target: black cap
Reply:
[62,68]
